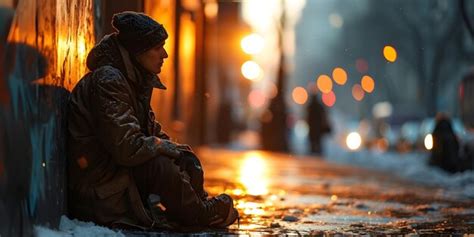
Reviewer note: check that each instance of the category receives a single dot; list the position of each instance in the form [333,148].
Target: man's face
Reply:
[153,59]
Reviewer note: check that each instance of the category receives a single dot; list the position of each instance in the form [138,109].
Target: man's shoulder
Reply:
[108,75]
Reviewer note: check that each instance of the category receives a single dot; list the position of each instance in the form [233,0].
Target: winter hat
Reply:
[138,32]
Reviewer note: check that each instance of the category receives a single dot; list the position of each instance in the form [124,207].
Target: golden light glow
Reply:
[253,174]
[390,53]
[251,208]
[252,44]
[300,96]
[333,198]
[428,142]
[251,70]
[353,141]
[211,9]
[256,99]
[329,99]
[324,83]
[357,92]
[339,75]
[368,83]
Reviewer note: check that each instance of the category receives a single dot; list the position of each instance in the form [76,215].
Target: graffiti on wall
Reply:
[44,57]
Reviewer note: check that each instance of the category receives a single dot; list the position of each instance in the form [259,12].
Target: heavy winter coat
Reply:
[111,128]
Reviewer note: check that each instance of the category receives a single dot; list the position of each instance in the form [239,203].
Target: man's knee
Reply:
[162,165]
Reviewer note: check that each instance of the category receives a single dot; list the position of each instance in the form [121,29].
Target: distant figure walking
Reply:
[318,124]
[445,152]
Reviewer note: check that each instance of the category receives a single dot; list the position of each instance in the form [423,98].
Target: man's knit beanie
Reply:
[138,32]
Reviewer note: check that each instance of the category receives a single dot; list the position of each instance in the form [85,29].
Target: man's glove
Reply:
[185,147]
[168,148]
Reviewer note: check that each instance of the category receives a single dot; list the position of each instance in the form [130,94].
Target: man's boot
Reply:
[218,212]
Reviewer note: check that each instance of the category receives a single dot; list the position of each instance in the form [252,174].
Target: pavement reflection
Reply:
[280,193]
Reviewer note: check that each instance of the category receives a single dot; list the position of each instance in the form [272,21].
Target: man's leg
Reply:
[162,177]
[190,163]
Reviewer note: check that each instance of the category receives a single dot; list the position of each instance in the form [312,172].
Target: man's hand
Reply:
[168,148]
[184,147]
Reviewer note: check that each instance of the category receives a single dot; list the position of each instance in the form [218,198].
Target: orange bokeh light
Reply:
[256,99]
[324,83]
[390,53]
[339,75]
[300,96]
[368,83]
[357,92]
[329,99]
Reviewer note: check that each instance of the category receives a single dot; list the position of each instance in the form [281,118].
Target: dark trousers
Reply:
[178,182]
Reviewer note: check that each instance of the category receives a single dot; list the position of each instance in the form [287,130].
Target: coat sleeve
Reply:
[118,127]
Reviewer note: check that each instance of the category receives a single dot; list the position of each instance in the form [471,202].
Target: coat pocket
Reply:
[116,185]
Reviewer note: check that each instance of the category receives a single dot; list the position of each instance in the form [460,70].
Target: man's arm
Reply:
[117,124]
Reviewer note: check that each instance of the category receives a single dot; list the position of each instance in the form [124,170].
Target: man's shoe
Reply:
[218,212]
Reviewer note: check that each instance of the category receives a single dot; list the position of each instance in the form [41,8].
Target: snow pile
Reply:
[70,228]
[412,166]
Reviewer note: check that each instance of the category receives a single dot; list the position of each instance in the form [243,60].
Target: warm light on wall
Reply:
[63,40]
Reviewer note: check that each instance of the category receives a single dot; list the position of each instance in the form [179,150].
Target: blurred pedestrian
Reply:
[445,151]
[318,124]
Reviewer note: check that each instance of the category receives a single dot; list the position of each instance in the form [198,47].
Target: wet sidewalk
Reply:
[296,195]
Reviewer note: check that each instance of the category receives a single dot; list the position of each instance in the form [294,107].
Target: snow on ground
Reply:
[412,166]
[70,228]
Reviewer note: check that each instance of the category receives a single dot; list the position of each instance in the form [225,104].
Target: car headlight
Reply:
[353,141]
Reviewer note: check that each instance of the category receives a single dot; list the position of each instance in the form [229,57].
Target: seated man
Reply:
[118,155]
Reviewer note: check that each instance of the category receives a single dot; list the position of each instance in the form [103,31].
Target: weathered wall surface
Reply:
[45,56]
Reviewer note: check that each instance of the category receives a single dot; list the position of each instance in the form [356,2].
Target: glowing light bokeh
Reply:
[300,96]
[251,70]
[256,99]
[353,141]
[336,20]
[428,141]
[368,84]
[362,65]
[324,83]
[357,92]
[253,174]
[301,128]
[252,44]
[339,75]
[329,99]
[211,8]
[390,53]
